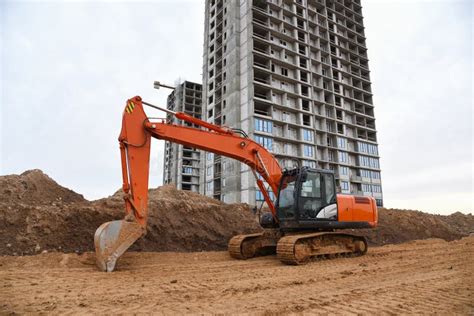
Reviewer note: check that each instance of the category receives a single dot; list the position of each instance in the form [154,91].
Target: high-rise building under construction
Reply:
[181,163]
[294,75]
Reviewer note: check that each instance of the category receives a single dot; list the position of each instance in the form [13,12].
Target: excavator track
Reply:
[253,245]
[300,248]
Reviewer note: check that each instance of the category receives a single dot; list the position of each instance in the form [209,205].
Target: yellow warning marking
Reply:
[130,107]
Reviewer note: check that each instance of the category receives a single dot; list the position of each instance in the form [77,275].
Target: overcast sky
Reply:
[67,69]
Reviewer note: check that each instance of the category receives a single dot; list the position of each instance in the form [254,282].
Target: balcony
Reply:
[356,179]
[261,21]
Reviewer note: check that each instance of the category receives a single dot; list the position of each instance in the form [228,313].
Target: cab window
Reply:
[310,202]
[311,188]
[329,188]
[286,198]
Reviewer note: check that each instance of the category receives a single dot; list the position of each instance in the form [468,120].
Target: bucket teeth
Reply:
[112,239]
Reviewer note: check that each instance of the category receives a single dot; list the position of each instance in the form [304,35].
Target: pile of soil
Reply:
[37,214]
[34,187]
[398,226]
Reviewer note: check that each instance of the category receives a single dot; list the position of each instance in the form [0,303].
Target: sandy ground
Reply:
[429,276]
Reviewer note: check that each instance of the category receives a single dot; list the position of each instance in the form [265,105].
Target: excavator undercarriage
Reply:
[254,245]
[296,248]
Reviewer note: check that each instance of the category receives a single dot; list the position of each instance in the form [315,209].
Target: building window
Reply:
[375,175]
[374,163]
[344,185]
[329,128]
[367,148]
[187,170]
[265,142]
[308,135]
[343,157]
[305,91]
[209,170]
[309,163]
[331,156]
[209,156]
[341,142]
[306,120]
[366,187]
[263,126]
[305,105]
[209,186]
[376,188]
[369,162]
[284,72]
[344,170]
[365,173]
[308,151]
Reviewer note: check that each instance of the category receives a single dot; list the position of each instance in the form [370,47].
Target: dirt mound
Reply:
[397,226]
[37,214]
[34,187]
[461,222]
[185,221]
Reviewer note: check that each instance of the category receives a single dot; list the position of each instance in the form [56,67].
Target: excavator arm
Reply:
[112,239]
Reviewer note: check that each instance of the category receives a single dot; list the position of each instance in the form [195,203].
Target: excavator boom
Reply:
[112,239]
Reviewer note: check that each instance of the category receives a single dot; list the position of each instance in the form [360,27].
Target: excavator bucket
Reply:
[112,239]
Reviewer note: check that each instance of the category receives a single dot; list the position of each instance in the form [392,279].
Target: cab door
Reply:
[317,196]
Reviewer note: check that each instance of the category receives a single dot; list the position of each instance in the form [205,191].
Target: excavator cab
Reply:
[307,198]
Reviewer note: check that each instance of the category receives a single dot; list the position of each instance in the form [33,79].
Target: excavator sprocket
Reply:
[253,245]
[300,248]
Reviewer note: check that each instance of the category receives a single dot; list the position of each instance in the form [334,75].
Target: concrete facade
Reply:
[294,75]
[181,163]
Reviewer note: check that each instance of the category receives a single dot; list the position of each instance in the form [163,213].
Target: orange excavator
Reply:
[301,224]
